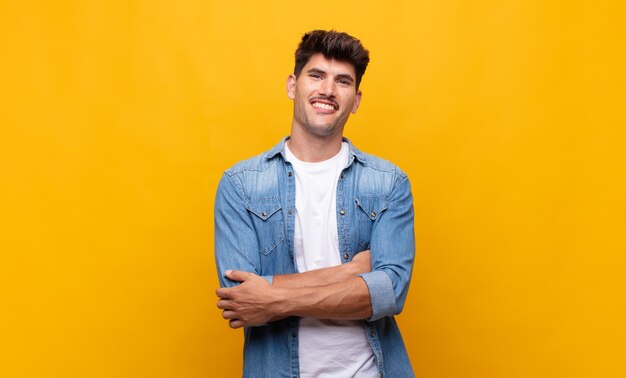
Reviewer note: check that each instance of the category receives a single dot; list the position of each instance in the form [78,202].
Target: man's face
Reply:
[324,94]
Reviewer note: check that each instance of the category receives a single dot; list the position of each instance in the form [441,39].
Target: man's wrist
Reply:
[352,269]
[281,307]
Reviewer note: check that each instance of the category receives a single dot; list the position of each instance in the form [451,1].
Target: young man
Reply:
[314,239]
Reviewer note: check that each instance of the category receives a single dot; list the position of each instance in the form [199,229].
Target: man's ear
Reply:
[357,101]
[291,86]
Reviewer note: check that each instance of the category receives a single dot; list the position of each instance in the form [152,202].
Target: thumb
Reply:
[239,275]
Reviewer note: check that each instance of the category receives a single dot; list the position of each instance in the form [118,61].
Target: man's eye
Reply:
[316,76]
[344,82]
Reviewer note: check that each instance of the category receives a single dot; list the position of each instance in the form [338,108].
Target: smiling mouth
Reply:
[323,105]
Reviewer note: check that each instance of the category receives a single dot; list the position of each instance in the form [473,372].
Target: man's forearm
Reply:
[325,276]
[349,299]
[255,301]
[329,293]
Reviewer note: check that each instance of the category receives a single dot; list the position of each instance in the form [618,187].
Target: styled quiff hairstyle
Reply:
[333,45]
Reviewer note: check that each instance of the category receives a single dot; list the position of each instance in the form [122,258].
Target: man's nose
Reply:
[327,88]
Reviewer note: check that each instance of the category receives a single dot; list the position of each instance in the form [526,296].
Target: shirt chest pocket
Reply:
[268,222]
[369,211]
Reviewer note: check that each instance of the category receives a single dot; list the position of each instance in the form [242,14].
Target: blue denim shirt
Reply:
[254,228]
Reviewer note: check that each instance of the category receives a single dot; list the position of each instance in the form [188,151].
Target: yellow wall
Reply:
[118,117]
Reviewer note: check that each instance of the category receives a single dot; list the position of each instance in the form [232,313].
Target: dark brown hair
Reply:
[333,45]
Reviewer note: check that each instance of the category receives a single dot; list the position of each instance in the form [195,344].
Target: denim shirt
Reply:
[254,231]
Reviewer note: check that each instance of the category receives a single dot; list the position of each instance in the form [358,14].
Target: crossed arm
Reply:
[329,293]
[347,291]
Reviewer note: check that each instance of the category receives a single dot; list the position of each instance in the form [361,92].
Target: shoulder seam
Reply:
[393,168]
[230,172]
[236,183]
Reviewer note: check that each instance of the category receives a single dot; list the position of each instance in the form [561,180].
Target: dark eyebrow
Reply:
[322,72]
[315,70]
[345,76]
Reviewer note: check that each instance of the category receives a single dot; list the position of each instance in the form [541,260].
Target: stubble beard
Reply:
[324,130]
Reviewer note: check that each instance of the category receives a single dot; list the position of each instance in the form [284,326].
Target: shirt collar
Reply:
[279,149]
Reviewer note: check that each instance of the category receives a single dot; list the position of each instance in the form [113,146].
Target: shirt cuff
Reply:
[382,297]
[268,278]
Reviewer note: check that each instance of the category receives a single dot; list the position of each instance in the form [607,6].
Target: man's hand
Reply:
[253,302]
[362,262]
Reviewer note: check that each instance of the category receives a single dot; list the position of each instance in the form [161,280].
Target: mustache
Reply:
[327,99]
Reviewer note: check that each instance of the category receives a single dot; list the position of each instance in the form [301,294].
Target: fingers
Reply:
[227,306]
[223,293]
[235,323]
[234,275]
[239,275]
[224,304]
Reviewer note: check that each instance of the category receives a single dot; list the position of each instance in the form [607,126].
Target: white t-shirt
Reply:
[327,348]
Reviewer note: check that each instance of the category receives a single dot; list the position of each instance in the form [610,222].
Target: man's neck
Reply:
[313,149]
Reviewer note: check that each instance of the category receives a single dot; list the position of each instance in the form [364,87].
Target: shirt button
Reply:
[346,256]
[372,333]
[264,213]
[343,176]
[373,214]
[342,212]
[290,212]
[289,174]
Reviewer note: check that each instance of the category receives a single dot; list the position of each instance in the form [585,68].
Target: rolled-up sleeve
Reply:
[392,246]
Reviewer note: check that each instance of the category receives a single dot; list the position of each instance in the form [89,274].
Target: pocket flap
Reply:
[264,208]
[372,206]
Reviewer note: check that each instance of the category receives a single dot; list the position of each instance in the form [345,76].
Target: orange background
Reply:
[118,117]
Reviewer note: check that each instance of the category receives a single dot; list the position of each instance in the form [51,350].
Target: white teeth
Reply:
[323,106]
